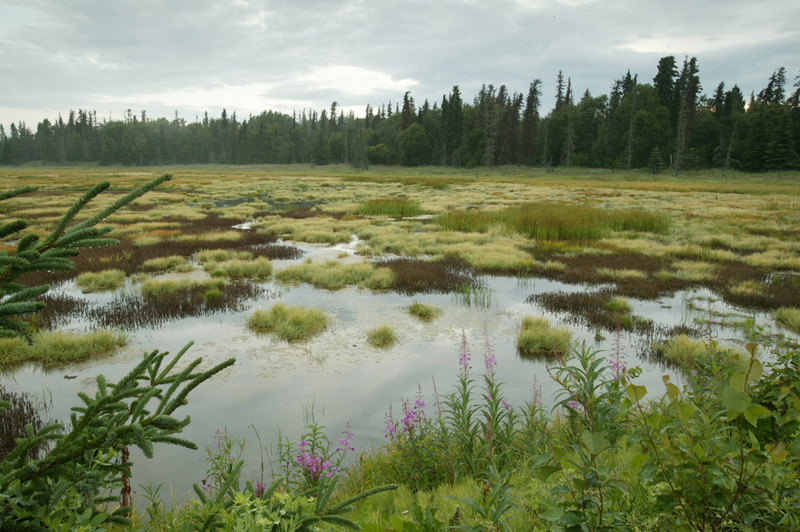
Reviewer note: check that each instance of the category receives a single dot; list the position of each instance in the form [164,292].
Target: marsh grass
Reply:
[173,263]
[556,221]
[167,287]
[417,276]
[58,348]
[258,269]
[221,255]
[391,207]
[100,281]
[335,275]
[424,312]
[687,354]
[788,317]
[382,337]
[182,299]
[537,339]
[290,323]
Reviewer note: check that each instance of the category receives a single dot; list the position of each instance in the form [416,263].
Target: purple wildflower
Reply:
[260,489]
[575,405]
[506,405]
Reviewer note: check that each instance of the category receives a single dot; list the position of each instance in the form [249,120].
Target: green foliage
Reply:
[51,253]
[536,338]
[392,207]
[100,281]
[57,348]
[423,311]
[383,336]
[290,323]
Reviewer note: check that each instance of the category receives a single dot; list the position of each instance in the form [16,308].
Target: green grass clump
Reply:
[258,269]
[788,317]
[393,207]
[100,281]
[383,336]
[334,275]
[689,354]
[423,312]
[618,305]
[173,263]
[288,323]
[555,221]
[58,348]
[537,338]
[221,255]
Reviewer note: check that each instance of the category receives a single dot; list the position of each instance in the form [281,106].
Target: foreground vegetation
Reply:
[720,454]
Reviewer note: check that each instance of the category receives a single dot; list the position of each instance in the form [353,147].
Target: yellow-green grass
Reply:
[424,312]
[690,354]
[537,338]
[618,305]
[334,275]
[621,274]
[58,348]
[690,270]
[173,263]
[788,317]
[290,323]
[258,269]
[100,281]
[382,337]
[392,207]
[221,255]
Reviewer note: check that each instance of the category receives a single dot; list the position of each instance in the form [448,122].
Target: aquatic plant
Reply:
[382,337]
[537,338]
[100,281]
[423,312]
[393,207]
[290,323]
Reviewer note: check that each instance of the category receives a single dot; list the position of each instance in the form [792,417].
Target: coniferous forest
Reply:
[668,123]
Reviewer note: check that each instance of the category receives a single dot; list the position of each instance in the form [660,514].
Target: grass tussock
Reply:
[100,281]
[289,323]
[536,338]
[173,263]
[221,255]
[258,269]
[424,312]
[335,275]
[687,354]
[382,337]
[58,348]
[788,317]
[391,207]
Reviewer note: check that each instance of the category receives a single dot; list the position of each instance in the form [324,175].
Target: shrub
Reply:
[292,324]
[100,281]
[537,338]
[383,336]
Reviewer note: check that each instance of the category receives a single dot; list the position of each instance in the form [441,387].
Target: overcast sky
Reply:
[247,56]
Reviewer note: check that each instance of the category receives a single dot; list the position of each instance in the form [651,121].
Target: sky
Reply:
[247,56]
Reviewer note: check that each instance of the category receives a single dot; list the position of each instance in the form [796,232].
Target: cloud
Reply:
[348,79]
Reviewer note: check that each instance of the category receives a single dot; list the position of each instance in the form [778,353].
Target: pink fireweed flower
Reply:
[464,357]
[260,489]
[575,405]
[506,405]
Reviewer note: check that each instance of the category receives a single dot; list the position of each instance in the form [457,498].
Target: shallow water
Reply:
[273,383]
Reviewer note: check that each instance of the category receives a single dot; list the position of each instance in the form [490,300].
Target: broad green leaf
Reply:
[654,420]
[672,390]
[736,402]
[777,453]
[553,515]
[739,381]
[756,370]
[594,441]
[636,393]
[751,348]
[686,411]
[754,412]
[544,472]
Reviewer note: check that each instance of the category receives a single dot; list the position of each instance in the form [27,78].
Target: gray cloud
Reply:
[251,55]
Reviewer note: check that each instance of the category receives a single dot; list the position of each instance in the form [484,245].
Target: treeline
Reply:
[668,123]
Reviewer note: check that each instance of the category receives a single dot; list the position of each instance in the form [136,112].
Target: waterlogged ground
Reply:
[728,243]
[274,385]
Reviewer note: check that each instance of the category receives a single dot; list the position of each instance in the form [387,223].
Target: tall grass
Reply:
[393,207]
[290,323]
[59,348]
[174,263]
[788,317]
[556,221]
[334,275]
[258,269]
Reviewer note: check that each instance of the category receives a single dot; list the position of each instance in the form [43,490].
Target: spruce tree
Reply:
[64,488]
